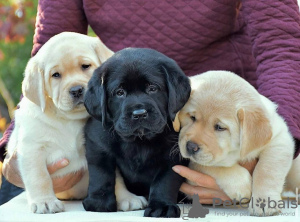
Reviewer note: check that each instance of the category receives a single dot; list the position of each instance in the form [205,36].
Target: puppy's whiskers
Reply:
[175,151]
[112,131]
[168,126]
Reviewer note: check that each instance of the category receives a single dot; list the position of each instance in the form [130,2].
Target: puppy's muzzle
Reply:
[76,91]
[139,114]
[192,148]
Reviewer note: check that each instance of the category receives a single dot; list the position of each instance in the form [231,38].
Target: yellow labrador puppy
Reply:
[49,123]
[227,121]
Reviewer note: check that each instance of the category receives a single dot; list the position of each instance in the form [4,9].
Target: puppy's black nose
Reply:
[76,91]
[139,113]
[192,148]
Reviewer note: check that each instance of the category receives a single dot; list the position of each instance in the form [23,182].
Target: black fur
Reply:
[141,149]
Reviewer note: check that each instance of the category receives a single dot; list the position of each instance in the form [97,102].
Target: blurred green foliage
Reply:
[17,19]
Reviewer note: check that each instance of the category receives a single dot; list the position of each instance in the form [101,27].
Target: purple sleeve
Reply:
[54,17]
[273,27]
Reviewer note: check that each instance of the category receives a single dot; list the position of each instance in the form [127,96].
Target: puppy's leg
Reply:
[268,179]
[102,179]
[293,178]
[126,200]
[235,181]
[37,181]
[163,195]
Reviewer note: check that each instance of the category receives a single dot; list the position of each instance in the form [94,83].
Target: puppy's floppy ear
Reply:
[176,123]
[178,86]
[33,85]
[255,130]
[95,100]
[101,50]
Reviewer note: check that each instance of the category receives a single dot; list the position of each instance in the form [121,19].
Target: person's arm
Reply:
[274,29]
[54,17]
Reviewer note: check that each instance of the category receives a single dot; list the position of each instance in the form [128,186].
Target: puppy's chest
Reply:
[67,143]
[136,159]
[140,161]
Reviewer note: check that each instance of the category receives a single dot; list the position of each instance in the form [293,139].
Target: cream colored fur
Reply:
[49,126]
[251,128]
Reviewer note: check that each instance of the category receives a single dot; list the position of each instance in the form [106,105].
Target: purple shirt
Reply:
[259,40]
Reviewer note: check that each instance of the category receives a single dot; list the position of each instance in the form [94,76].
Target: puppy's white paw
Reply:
[240,192]
[261,209]
[130,201]
[47,206]
[238,188]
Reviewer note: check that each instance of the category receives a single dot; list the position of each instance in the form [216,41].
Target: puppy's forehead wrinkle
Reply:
[134,80]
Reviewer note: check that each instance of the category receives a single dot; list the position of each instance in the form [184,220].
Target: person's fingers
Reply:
[250,166]
[57,165]
[206,201]
[66,182]
[198,178]
[205,195]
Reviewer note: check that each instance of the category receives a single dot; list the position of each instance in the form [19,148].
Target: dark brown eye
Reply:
[193,118]
[120,92]
[85,66]
[151,88]
[219,128]
[56,75]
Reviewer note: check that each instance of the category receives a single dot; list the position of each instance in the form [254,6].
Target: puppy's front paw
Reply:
[239,191]
[238,187]
[261,208]
[159,209]
[129,201]
[100,205]
[47,206]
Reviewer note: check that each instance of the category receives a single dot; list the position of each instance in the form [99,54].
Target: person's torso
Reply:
[198,35]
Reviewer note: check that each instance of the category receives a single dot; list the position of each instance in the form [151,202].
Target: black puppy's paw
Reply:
[160,209]
[100,205]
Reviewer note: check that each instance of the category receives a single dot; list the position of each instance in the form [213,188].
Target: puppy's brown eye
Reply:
[85,66]
[151,88]
[193,118]
[120,93]
[219,128]
[56,75]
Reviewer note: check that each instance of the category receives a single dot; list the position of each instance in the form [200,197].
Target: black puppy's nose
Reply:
[76,91]
[139,113]
[192,148]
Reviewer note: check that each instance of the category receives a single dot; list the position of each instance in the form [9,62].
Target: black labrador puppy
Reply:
[133,99]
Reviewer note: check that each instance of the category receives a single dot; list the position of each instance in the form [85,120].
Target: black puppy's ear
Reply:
[95,100]
[178,86]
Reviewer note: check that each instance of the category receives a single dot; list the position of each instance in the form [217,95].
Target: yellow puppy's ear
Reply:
[255,130]
[102,51]
[33,85]
[176,123]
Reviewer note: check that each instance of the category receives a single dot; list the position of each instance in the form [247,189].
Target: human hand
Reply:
[206,186]
[12,174]
[66,182]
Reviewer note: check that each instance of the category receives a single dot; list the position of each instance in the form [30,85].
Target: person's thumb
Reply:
[57,165]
